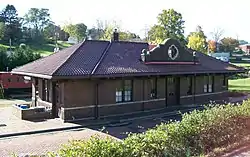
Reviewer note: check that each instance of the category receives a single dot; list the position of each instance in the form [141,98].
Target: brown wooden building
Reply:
[97,79]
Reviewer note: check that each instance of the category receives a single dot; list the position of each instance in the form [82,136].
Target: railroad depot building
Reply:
[97,79]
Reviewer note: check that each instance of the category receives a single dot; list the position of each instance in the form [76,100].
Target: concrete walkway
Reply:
[41,144]
[9,102]
[9,124]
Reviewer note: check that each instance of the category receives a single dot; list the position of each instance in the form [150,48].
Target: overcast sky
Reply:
[136,15]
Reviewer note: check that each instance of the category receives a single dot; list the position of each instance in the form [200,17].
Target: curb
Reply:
[173,113]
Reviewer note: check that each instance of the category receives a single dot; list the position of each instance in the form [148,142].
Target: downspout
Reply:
[143,94]
[194,88]
[97,101]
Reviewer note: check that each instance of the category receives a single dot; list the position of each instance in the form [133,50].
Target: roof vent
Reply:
[116,35]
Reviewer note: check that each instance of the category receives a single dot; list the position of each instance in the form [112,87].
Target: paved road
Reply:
[137,126]
[42,143]
[39,144]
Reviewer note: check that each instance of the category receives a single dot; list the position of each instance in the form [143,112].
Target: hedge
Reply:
[199,132]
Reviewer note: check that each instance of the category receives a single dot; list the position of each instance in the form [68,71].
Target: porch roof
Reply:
[96,58]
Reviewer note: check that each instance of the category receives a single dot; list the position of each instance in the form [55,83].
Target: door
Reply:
[173,91]
[56,109]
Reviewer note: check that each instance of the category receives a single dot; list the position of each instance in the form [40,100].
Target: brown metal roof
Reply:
[110,59]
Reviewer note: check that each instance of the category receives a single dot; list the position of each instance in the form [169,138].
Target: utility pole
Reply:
[146,29]
[10,44]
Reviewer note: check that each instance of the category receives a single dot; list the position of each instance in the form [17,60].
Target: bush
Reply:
[198,133]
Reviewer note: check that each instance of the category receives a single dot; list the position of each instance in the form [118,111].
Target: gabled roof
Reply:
[93,58]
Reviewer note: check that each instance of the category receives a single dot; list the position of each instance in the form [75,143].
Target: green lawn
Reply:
[240,84]
[245,65]
[44,49]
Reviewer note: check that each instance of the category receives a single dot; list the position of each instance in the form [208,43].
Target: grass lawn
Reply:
[44,49]
[240,84]
[245,65]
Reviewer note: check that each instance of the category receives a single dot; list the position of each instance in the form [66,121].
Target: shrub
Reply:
[199,132]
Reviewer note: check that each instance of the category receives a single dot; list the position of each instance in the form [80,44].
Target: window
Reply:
[224,80]
[190,84]
[124,94]
[17,79]
[46,90]
[118,94]
[205,87]
[153,92]
[170,80]
[208,84]
[127,90]
[9,80]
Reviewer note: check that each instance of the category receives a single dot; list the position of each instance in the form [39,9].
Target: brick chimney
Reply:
[116,35]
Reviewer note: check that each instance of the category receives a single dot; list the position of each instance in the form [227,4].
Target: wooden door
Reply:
[172,91]
[56,109]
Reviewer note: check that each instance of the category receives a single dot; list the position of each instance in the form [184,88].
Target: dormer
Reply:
[169,52]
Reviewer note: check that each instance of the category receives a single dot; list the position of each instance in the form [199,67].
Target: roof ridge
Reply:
[101,58]
[59,66]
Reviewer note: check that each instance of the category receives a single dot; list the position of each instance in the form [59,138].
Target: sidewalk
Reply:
[12,126]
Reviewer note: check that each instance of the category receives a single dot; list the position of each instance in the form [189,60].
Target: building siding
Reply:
[79,93]
[79,97]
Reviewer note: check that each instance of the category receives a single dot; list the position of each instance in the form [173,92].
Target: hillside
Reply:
[44,49]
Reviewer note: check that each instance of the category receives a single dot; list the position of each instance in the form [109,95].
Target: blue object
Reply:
[23,106]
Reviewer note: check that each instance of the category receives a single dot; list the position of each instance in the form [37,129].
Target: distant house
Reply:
[223,56]
[245,48]
[72,40]
[97,79]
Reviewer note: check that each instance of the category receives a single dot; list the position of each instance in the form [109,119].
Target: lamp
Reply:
[194,55]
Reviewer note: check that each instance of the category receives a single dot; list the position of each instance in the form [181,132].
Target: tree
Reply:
[11,20]
[50,30]
[37,19]
[212,46]
[228,44]
[217,34]
[81,31]
[170,25]
[3,59]
[78,31]
[22,56]
[105,31]
[2,30]
[95,33]
[197,40]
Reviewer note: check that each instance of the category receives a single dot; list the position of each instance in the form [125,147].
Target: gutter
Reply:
[32,75]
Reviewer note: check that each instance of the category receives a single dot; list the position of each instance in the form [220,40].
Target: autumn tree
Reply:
[211,46]
[197,40]
[228,44]
[169,25]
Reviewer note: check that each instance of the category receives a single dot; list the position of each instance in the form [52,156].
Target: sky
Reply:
[138,15]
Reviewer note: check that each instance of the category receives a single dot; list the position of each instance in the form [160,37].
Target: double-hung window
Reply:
[153,92]
[208,84]
[124,92]
[190,84]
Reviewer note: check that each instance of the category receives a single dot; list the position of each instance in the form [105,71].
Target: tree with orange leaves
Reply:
[212,46]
